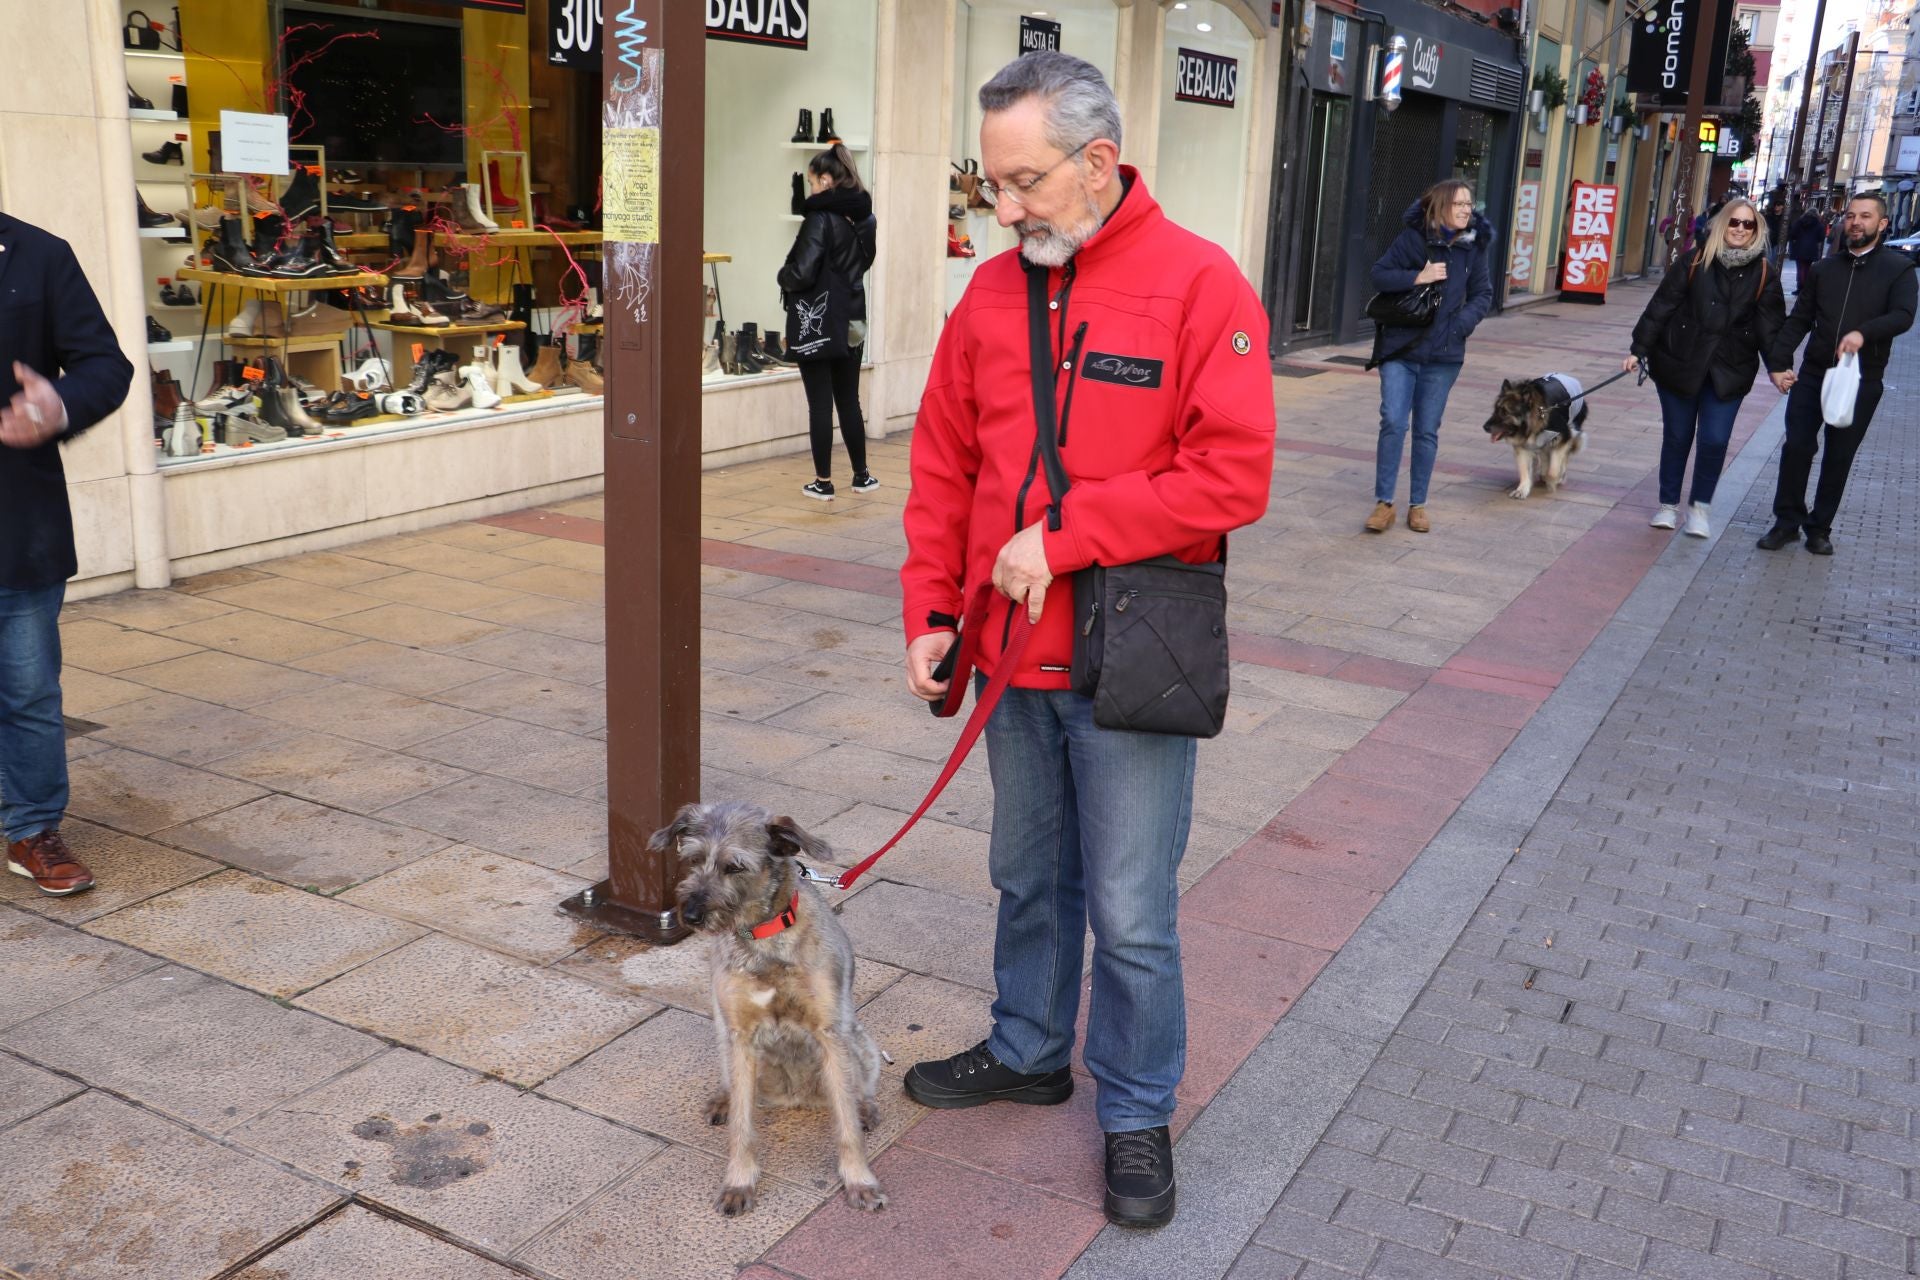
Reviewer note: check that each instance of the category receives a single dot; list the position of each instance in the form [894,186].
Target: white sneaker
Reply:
[1667,517]
[1697,521]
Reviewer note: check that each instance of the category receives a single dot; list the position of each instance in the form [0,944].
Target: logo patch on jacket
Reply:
[1126,371]
[1241,342]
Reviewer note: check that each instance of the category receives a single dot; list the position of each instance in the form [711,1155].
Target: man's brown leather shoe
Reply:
[1382,518]
[46,860]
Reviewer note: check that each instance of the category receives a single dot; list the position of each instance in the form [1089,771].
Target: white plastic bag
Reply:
[1838,391]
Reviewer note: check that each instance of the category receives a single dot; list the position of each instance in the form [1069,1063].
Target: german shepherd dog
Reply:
[1544,419]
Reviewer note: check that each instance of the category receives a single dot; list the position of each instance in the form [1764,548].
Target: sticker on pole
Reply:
[631,162]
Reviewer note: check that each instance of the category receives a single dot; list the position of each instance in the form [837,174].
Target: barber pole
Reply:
[1390,78]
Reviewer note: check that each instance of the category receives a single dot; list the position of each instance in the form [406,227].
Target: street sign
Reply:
[1590,231]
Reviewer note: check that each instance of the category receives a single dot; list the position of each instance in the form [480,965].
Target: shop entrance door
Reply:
[1406,161]
[1329,138]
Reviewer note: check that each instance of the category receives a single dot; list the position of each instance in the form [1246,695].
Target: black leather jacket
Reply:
[840,234]
[1711,320]
[1872,292]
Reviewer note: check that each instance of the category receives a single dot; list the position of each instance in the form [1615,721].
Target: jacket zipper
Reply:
[1033,460]
[1073,378]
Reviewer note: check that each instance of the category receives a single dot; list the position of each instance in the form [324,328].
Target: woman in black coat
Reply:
[822,285]
[1704,335]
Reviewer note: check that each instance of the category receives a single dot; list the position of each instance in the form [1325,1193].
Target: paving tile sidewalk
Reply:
[1677,1037]
[333,797]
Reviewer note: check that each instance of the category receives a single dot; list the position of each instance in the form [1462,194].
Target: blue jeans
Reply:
[1089,826]
[1679,414]
[1415,389]
[33,740]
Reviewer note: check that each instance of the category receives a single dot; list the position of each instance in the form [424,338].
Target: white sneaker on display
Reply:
[475,376]
[1667,517]
[374,375]
[1697,521]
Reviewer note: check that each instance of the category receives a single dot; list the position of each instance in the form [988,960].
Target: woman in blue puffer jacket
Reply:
[1445,240]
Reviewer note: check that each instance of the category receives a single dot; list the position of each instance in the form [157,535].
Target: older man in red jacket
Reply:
[1165,422]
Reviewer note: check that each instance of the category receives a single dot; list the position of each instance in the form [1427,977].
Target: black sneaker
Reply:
[1777,537]
[976,1077]
[1819,543]
[865,483]
[821,489]
[1140,1178]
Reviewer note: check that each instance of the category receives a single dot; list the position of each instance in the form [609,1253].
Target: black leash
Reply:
[1639,367]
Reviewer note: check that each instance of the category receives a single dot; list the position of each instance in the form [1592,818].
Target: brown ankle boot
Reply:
[546,366]
[587,378]
[1382,518]
[422,260]
[1417,520]
[46,860]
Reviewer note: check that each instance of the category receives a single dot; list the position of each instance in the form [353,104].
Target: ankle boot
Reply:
[709,359]
[803,132]
[419,257]
[166,153]
[148,218]
[511,378]
[302,196]
[770,347]
[478,211]
[546,364]
[461,211]
[799,196]
[475,378]
[744,354]
[166,394]
[431,366]
[501,200]
[587,378]
[827,133]
[730,355]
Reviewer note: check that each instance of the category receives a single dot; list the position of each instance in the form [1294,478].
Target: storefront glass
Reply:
[988,34]
[1205,117]
[399,233]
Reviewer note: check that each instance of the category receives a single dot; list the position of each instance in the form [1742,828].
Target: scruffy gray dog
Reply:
[782,989]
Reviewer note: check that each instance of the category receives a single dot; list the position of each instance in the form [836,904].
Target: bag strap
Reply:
[1045,423]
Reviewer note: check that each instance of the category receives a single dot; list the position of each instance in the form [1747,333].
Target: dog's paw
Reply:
[867,1196]
[735,1201]
[1519,493]
[717,1107]
[869,1116]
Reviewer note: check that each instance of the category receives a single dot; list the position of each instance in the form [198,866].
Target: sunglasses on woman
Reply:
[1745,224]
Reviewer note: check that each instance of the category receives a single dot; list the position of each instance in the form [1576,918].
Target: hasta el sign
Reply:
[1590,241]
[1206,78]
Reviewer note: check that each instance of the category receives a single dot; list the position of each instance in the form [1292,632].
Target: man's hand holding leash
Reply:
[1021,572]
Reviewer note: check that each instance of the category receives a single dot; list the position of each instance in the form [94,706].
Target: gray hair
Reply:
[1080,106]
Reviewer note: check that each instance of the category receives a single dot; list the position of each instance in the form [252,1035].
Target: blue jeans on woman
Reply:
[1089,825]
[1680,415]
[1416,390]
[33,739]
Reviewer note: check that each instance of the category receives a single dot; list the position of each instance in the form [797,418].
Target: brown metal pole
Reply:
[1708,18]
[1796,171]
[653,126]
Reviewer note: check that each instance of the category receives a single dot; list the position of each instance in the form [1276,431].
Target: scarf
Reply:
[1730,258]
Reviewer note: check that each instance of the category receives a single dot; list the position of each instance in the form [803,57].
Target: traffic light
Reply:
[1709,135]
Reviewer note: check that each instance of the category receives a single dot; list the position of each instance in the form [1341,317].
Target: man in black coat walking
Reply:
[1859,300]
[61,371]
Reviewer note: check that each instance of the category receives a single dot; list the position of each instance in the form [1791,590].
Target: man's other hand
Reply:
[1021,573]
[36,413]
[1783,381]
[923,655]
[1852,342]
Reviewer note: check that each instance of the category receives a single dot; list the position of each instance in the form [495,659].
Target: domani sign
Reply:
[1206,78]
[1660,59]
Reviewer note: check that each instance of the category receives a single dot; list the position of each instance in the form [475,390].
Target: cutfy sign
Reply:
[1206,78]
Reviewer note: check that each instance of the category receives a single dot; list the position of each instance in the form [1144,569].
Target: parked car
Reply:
[1909,245]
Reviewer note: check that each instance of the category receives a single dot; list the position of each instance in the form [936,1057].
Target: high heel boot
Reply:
[511,379]
[546,364]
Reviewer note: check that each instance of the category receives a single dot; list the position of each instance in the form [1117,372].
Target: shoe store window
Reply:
[419,252]
[1206,116]
[988,34]
[776,98]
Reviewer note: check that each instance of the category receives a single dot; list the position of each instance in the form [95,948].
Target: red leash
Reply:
[976,624]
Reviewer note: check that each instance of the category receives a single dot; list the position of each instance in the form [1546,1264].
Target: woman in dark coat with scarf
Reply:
[1445,240]
[1703,335]
[823,287]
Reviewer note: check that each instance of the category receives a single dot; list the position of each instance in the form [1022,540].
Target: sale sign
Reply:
[1590,227]
[1526,227]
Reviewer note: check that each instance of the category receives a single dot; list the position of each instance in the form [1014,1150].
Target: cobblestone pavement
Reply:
[1678,1036]
[333,798]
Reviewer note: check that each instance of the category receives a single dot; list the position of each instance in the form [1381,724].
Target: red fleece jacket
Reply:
[1167,419]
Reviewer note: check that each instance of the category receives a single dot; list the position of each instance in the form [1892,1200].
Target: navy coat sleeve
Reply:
[1403,260]
[94,373]
[1479,287]
[802,267]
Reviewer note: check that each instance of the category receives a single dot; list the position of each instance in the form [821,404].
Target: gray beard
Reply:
[1045,245]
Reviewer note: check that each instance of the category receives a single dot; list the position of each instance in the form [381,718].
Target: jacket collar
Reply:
[1136,214]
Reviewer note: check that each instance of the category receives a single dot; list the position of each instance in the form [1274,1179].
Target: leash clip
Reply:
[808,873]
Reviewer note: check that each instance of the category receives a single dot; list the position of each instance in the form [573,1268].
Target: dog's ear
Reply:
[787,839]
[669,836]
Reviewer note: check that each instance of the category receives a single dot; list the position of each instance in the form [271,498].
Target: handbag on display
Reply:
[1150,637]
[1838,391]
[140,33]
[1412,308]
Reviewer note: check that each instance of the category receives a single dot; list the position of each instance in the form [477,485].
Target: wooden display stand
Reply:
[457,338]
[317,360]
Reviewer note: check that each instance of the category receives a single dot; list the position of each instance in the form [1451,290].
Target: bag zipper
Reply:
[1127,597]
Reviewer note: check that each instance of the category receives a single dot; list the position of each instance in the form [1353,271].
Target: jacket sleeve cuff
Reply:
[925,618]
[1063,551]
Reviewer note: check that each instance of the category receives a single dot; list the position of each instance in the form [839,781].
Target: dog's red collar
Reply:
[767,928]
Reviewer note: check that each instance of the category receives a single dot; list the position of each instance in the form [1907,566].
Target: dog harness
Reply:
[1566,407]
[778,924]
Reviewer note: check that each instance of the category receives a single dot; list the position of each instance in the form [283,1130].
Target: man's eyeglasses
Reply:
[1745,224]
[1018,191]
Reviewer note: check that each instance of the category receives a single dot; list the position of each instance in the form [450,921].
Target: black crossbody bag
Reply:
[1150,637]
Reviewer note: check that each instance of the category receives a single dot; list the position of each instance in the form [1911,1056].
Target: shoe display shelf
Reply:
[456,338]
[520,244]
[316,358]
[153,74]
